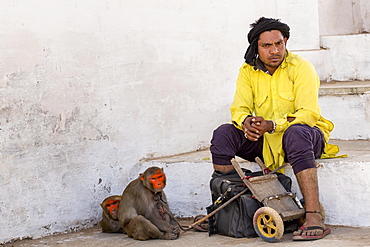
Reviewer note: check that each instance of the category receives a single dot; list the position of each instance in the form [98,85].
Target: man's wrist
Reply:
[273,127]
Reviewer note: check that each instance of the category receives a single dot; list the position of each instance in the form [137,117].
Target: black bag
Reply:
[236,219]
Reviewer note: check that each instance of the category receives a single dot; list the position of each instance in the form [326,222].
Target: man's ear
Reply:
[285,40]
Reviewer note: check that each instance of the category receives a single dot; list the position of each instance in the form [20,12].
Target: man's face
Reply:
[271,49]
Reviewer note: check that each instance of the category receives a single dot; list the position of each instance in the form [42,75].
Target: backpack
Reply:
[236,219]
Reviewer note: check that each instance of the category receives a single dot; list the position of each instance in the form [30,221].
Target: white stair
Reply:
[347,105]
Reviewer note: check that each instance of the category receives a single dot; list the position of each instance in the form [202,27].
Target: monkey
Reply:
[109,222]
[143,211]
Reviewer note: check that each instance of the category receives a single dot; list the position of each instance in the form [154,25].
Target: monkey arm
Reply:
[161,224]
[159,214]
[109,225]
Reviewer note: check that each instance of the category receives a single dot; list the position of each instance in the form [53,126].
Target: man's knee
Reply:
[295,130]
[301,145]
[223,130]
[223,143]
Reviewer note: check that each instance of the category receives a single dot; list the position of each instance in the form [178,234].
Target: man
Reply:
[276,116]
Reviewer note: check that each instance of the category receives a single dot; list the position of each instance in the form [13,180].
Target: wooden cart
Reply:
[279,205]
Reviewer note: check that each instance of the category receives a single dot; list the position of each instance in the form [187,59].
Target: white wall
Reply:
[344,16]
[341,108]
[347,58]
[89,88]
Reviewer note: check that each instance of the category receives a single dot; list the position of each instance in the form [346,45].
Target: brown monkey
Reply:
[143,211]
[110,222]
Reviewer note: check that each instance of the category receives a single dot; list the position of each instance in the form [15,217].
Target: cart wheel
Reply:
[268,224]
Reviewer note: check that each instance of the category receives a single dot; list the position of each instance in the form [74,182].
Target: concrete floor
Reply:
[340,237]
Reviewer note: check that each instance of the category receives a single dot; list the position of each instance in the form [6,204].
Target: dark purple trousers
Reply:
[301,144]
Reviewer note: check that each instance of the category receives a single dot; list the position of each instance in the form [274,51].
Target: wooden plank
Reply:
[268,186]
[242,175]
[282,204]
[292,214]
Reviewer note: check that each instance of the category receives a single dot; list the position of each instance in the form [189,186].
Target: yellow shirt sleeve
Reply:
[242,105]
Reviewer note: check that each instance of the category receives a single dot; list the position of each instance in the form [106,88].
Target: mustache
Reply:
[274,56]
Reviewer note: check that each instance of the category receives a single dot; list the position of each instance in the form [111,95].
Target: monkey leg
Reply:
[141,228]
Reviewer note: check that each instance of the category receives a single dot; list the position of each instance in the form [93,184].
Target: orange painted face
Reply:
[112,206]
[157,180]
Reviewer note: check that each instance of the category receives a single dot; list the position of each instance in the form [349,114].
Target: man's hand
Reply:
[255,127]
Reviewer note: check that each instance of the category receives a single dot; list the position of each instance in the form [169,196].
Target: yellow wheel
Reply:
[268,224]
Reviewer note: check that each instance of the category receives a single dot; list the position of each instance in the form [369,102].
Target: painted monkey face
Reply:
[154,179]
[158,181]
[112,207]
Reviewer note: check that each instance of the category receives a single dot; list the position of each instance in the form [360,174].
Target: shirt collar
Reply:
[257,64]
[286,60]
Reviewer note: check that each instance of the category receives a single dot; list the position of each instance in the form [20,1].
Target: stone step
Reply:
[347,105]
[337,60]
[344,183]
[343,63]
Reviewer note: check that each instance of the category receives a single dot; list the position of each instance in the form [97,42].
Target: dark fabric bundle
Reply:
[236,219]
[262,25]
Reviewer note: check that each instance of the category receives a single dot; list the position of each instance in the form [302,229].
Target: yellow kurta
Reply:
[292,91]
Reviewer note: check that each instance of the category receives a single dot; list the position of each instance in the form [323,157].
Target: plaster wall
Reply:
[343,111]
[338,17]
[89,88]
[347,57]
